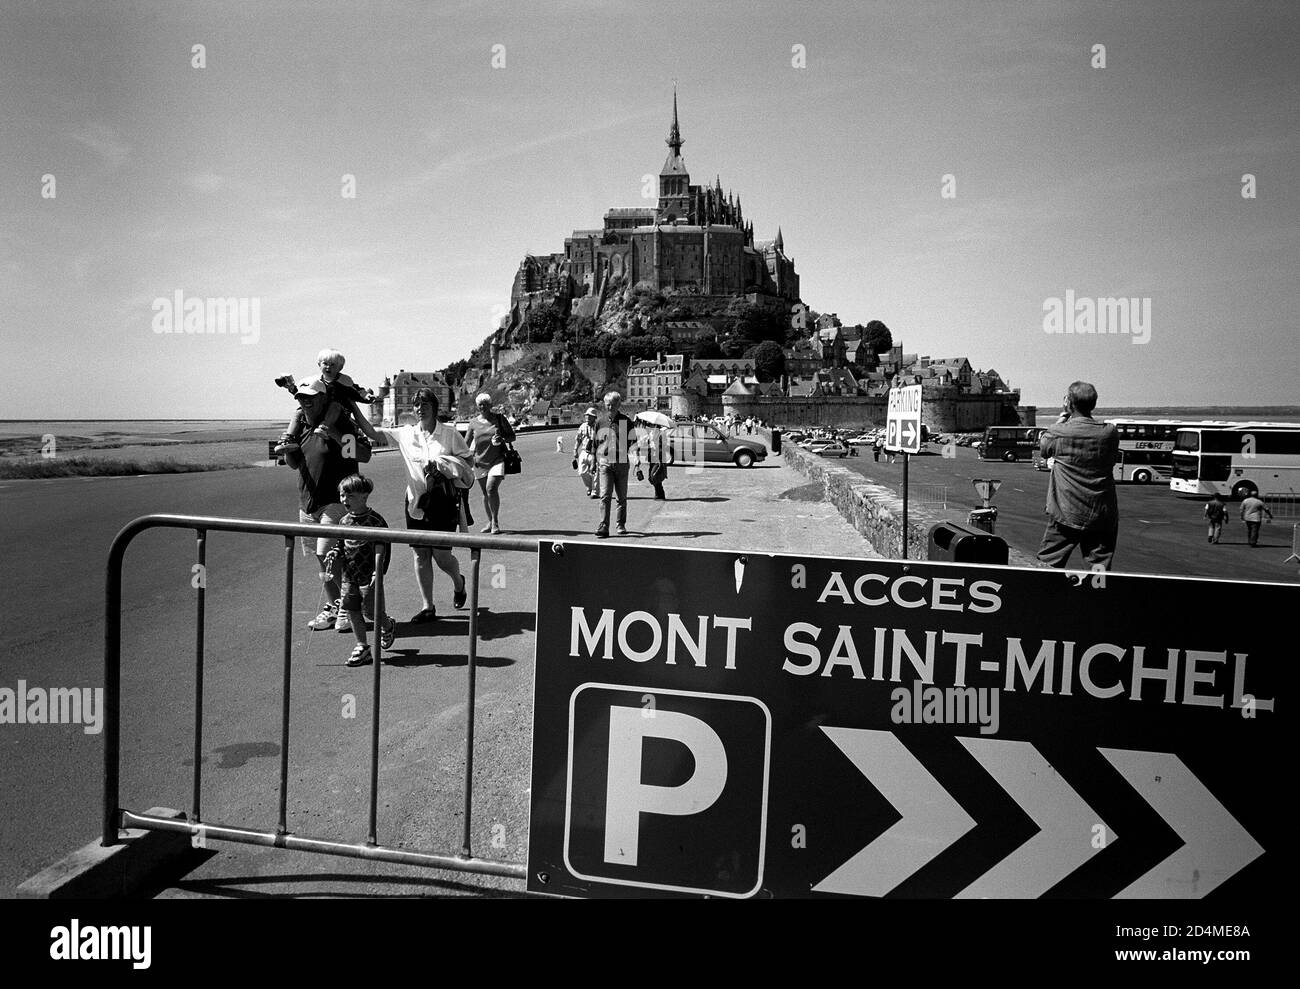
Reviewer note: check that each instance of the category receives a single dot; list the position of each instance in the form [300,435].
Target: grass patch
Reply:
[101,467]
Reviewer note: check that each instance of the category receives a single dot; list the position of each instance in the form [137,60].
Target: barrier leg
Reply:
[472,657]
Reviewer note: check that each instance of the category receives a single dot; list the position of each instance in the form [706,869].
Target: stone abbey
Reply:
[694,241]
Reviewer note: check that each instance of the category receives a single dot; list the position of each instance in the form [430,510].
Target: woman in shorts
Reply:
[489,432]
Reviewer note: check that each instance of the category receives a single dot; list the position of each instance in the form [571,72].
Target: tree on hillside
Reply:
[543,323]
[706,348]
[769,360]
[752,324]
[454,372]
[877,337]
[596,345]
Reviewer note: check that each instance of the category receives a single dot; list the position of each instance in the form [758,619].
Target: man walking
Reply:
[1254,512]
[1081,507]
[615,435]
[1215,513]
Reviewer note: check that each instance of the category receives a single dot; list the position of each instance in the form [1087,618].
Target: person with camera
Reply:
[489,434]
[327,405]
[437,461]
[323,459]
[1082,508]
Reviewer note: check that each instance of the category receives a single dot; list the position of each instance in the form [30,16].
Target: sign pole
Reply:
[906,457]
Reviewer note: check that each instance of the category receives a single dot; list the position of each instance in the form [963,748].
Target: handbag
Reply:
[514,462]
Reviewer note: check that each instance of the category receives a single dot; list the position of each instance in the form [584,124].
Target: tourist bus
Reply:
[1237,459]
[1146,447]
[1010,443]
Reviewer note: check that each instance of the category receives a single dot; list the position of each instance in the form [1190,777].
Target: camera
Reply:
[286,382]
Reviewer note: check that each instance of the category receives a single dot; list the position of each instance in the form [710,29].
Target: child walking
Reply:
[359,567]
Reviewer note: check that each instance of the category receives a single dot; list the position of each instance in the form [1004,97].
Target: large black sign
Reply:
[709,723]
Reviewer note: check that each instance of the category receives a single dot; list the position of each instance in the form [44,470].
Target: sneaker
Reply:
[388,634]
[326,618]
[360,656]
[459,598]
[343,623]
[621,530]
[602,533]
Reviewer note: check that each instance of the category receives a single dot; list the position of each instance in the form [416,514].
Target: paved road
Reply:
[1161,531]
[56,540]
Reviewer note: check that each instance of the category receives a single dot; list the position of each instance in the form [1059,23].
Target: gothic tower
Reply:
[674,180]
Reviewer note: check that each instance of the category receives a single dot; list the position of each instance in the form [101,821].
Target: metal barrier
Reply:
[933,495]
[1284,505]
[116,817]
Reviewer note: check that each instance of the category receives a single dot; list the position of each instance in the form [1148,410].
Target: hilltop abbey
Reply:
[695,250]
[694,241]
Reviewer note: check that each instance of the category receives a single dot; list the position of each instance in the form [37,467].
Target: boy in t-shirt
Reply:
[359,567]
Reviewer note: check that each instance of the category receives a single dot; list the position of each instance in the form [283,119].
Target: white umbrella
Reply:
[655,418]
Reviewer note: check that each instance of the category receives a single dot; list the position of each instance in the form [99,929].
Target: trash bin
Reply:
[952,542]
[984,518]
[776,441]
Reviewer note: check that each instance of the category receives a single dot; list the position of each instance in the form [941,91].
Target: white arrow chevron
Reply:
[932,819]
[1065,840]
[1217,846]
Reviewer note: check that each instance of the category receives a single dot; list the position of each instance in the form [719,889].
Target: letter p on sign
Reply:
[629,796]
[664,802]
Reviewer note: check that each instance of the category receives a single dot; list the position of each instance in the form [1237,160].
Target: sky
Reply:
[948,168]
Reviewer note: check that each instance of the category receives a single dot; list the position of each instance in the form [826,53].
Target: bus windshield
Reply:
[1188,441]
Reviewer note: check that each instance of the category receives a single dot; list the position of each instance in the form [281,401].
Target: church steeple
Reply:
[779,244]
[675,135]
[674,181]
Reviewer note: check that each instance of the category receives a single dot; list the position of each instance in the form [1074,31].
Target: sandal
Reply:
[458,598]
[388,633]
[424,615]
[360,656]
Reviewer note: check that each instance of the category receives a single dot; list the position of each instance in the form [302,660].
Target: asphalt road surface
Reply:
[1161,531]
[56,539]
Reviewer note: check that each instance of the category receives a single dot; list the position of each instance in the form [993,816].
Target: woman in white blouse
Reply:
[431,448]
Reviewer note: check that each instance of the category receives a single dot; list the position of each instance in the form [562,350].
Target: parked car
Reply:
[698,442]
[862,439]
[833,448]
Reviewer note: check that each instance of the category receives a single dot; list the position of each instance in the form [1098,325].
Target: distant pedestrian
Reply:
[1215,512]
[749,426]
[1253,513]
[559,444]
[1081,506]
[584,452]
[876,444]
[654,453]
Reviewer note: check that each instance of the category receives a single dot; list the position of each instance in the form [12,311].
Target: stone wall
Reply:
[604,373]
[507,356]
[875,510]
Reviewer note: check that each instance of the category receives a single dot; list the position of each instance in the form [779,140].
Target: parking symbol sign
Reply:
[657,783]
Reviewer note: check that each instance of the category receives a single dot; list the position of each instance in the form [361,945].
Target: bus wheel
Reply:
[1141,477]
[1243,490]
[1010,456]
